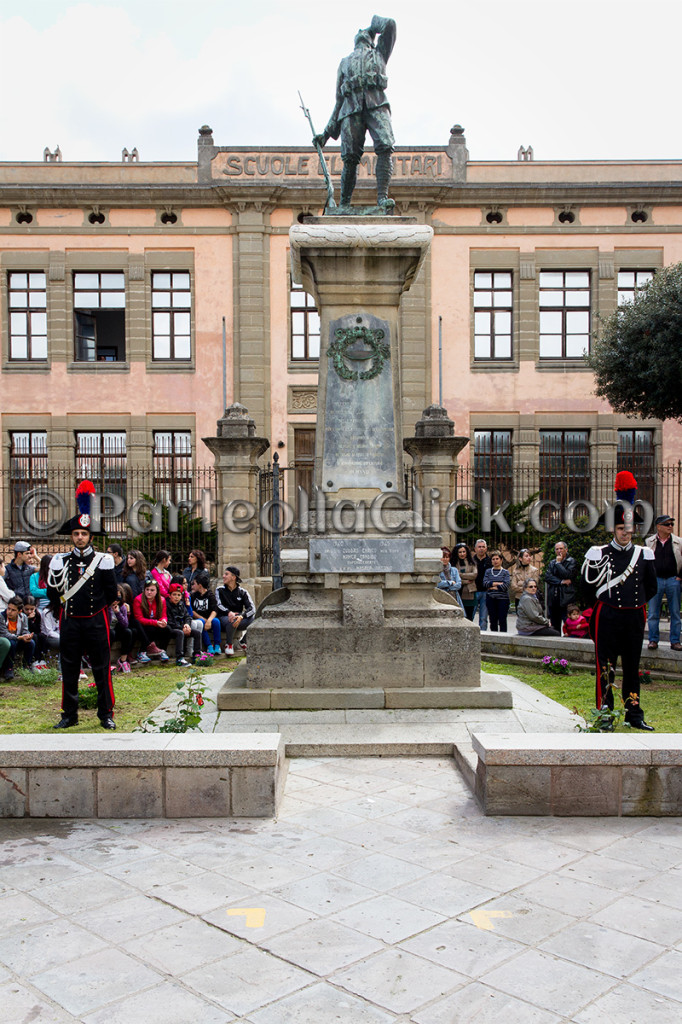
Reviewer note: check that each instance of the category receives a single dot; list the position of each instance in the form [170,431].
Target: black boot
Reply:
[384,173]
[348,178]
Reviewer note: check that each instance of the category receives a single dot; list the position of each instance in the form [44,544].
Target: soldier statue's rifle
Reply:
[330,204]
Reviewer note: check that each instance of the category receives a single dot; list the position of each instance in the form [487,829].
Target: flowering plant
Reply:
[558,666]
[87,696]
[188,712]
[644,676]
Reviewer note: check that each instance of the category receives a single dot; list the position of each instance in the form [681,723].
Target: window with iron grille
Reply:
[564,314]
[564,466]
[27,471]
[27,307]
[173,466]
[171,315]
[99,300]
[492,314]
[101,457]
[305,325]
[636,453]
[493,464]
[629,281]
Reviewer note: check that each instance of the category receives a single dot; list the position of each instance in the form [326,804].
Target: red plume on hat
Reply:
[81,520]
[625,486]
[83,492]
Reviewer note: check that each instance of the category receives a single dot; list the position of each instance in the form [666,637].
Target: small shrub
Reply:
[599,719]
[87,696]
[188,712]
[557,666]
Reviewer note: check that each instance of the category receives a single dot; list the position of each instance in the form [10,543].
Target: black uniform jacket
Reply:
[97,593]
[607,563]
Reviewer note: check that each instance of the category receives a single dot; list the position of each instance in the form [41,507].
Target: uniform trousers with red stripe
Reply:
[89,636]
[617,633]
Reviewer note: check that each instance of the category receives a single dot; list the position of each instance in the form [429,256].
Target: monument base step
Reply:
[236,696]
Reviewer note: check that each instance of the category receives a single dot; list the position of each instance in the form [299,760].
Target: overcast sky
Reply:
[575,79]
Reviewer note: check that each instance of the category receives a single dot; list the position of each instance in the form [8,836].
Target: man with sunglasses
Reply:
[667,549]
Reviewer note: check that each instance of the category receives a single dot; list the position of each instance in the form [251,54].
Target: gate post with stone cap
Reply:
[236,450]
[434,450]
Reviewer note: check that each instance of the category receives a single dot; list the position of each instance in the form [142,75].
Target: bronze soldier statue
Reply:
[361,107]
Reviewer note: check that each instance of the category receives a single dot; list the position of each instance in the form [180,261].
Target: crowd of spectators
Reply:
[153,609]
[480,582]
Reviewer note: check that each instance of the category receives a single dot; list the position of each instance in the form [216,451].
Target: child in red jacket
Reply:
[149,609]
[576,624]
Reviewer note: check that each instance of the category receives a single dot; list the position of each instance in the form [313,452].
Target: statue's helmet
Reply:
[363,36]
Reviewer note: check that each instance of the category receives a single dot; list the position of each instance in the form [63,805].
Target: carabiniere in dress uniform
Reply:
[82,584]
[622,576]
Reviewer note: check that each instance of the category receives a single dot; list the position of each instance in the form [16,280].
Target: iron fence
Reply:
[146,512]
[190,513]
[661,486]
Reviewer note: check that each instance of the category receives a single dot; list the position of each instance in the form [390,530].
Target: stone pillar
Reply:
[458,153]
[603,460]
[251,328]
[236,450]
[434,450]
[206,150]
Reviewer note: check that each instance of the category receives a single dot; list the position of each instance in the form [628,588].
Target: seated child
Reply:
[196,624]
[576,625]
[49,627]
[180,624]
[205,610]
[14,627]
[36,627]
[120,613]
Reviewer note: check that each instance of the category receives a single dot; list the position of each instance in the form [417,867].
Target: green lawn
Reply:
[33,708]
[661,699]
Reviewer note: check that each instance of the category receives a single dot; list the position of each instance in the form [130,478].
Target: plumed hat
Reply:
[81,520]
[625,487]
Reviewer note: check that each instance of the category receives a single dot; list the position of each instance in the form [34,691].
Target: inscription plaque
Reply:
[361,554]
[359,425]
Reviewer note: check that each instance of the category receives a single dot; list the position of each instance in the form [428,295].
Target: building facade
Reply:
[138,300]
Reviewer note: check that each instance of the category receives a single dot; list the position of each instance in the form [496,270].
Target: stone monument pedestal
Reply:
[359,621]
[379,638]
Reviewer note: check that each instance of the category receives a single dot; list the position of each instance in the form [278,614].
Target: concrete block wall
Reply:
[141,775]
[582,774]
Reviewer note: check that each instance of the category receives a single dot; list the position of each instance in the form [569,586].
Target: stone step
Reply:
[370,740]
[235,695]
[466,760]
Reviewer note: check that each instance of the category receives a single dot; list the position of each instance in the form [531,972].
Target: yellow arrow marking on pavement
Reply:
[483,918]
[254,916]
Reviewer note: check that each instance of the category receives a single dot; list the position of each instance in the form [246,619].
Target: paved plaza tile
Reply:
[626,1004]
[381,895]
[21,1004]
[323,946]
[484,1005]
[398,980]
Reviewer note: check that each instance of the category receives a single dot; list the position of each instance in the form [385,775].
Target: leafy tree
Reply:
[637,357]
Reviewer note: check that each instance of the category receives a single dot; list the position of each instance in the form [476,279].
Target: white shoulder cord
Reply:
[57,577]
[602,570]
